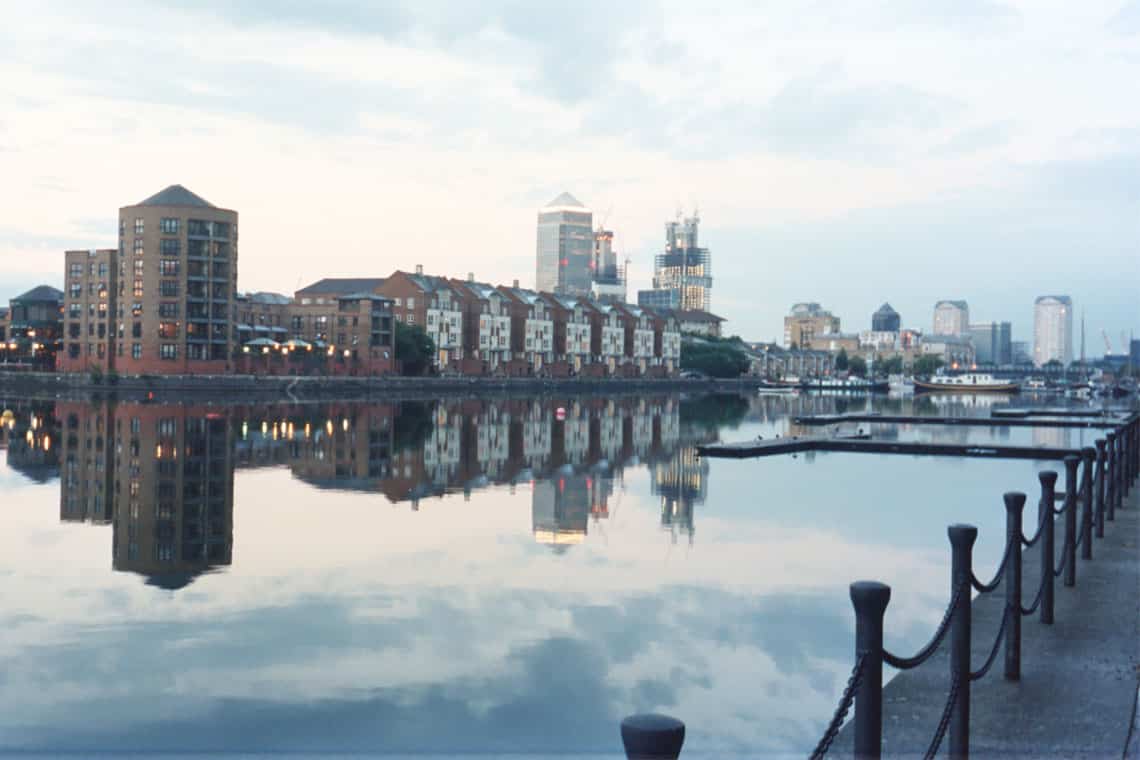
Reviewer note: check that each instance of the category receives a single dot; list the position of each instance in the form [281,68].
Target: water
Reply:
[462,577]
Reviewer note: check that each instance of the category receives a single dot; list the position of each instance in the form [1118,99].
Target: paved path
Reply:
[1079,677]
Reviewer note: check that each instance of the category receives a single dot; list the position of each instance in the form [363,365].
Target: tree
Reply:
[414,349]
[927,365]
[890,366]
[857,366]
[723,358]
[841,360]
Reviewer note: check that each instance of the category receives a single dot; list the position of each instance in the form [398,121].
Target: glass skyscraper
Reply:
[565,247]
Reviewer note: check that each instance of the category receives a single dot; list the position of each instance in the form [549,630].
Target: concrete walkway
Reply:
[1079,677]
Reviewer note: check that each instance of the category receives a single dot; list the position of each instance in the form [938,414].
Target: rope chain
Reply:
[906,663]
[1040,595]
[1040,528]
[981,672]
[985,588]
[840,715]
[944,722]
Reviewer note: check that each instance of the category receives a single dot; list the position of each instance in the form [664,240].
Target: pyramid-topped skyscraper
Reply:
[564,248]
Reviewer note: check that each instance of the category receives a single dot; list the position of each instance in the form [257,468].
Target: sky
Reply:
[849,152]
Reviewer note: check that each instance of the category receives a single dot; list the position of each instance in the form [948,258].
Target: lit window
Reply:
[138,226]
[169,226]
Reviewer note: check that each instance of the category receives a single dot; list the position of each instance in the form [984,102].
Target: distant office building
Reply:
[565,247]
[608,283]
[659,300]
[683,270]
[885,320]
[1021,354]
[1053,330]
[34,326]
[951,318]
[992,342]
[1134,352]
[806,322]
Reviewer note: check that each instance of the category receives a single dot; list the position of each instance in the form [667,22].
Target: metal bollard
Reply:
[962,539]
[1088,454]
[1070,547]
[870,599]
[651,736]
[1014,504]
[1109,499]
[1119,491]
[1048,480]
[1098,487]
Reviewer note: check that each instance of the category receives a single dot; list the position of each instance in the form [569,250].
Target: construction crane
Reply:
[1107,343]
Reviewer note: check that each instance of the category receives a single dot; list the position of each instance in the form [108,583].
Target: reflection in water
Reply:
[162,475]
[522,594]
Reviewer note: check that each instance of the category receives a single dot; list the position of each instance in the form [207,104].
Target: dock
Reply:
[867,445]
[1011,420]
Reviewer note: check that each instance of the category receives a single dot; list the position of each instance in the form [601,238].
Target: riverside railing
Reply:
[1108,472]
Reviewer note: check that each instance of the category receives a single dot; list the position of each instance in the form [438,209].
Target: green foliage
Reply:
[927,365]
[413,424]
[1053,364]
[890,366]
[716,358]
[857,366]
[96,376]
[841,360]
[414,349]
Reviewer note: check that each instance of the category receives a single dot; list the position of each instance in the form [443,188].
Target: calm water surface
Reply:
[463,576]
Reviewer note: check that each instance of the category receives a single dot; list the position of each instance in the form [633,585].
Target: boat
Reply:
[1035,385]
[968,383]
[900,384]
[847,385]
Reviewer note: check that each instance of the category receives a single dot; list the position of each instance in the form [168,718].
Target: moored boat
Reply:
[967,383]
[848,385]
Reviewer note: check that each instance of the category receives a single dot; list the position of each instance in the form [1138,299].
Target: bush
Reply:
[717,358]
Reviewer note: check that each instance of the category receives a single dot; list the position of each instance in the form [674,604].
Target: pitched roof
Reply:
[269,298]
[565,200]
[335,286]
[41,293]
[886,309]
[177,195]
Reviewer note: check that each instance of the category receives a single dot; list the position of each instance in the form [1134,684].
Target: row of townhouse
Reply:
[483,329]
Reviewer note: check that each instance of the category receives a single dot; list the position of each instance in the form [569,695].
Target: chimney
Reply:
[470,277]
[516,285]
[419,268]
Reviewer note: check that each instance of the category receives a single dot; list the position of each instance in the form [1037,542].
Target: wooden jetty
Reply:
[867,445]
[1069,421]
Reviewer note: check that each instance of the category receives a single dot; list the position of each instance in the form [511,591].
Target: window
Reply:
[136,351]
[138,226]
[168,309]
[139,266]
[168,288]
[411,302]
[76,270]
[75,290]
[168,330]
[169,247]
[73,330]
[197,248]
[168,267]
[412,319]
[137,291]
[136,329]
[73,350]
[168,351]
[197,228]
[222,230]
[74,310]
[399,302]
[168,226]
[136,309]
[138,247]
[102,268]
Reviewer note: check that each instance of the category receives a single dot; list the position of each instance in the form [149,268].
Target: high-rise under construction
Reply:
[682,272]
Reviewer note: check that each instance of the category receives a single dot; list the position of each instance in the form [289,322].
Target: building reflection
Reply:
[162,475]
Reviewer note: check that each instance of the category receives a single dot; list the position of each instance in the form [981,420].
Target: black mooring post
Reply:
[1048,480]
[1109,498]
[962,539]
[1098,487]
[1070,547]
[1118,466]
[1014,504]
[870,599]
[652,737]
[1088,456]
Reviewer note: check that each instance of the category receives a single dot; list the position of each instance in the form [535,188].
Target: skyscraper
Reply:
[951,318]
[683,267]
[1052,330]
[885,319]
[608,278]
[992,343]
[565,247]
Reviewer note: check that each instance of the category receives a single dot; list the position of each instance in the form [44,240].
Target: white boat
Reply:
[971,382]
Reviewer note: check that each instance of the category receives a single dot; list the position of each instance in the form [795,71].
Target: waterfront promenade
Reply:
[1079,676]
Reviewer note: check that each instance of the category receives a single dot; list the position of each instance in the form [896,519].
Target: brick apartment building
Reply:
[164,302]
[532,331]
[432,303]
[486,327]
[571,334]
